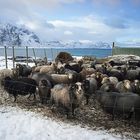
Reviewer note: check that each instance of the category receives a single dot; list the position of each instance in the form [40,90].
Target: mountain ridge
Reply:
[12,35]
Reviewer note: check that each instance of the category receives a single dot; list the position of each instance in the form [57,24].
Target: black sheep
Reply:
[74,67]
[23,70]
[90,87]
[120,103]
[44,90]
[119,74]
[20,86]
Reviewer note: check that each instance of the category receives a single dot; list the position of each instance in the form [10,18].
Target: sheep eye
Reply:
[72,86]
[76,86]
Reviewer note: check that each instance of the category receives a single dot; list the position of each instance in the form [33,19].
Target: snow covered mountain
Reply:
[77,44]
[11,35]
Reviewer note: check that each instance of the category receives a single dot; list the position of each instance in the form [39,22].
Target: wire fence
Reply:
[27,54]
[123,49]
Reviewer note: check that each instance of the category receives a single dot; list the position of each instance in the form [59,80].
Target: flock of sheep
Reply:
[70,83]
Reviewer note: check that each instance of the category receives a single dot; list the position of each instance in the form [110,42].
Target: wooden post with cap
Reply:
[27,55]
[113,47]
[13,50]
[5,48]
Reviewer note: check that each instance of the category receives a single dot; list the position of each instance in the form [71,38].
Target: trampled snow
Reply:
[17,124]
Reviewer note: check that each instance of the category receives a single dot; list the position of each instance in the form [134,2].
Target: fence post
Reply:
[113,47]
[13,57]
[45,53]
[5,48]
[34,53]
[45,59]
[52,53]
[27,55]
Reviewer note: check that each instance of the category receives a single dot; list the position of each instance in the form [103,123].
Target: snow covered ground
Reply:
[18,124]
[124,57]
[10,63]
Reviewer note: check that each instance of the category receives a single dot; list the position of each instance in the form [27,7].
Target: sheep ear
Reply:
[71,86]
[85,84]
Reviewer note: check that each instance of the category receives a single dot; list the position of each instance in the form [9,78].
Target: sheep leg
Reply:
[72,110]
[113,116]
[131,113]
[15,98]
[42,101]
[67,112]
[87,100]
[52,101]
[29,96]
[34,96]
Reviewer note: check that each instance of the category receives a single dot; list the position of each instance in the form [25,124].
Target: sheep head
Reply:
[127,84]
[43,83]
[105,80]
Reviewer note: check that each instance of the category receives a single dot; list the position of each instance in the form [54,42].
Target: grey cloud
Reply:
[108,2]
[49,25]
[117,23]
[136,2]
[24,10]
[115,2]
[15,11]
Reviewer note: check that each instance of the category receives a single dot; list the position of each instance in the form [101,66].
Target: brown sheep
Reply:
[86,72]
[49,69]
[37,69]
[6,72]
[62,78]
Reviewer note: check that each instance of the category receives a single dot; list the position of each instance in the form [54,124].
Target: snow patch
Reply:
[20,125]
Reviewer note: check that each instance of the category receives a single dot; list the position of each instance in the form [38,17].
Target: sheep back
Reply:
[61,78]
[60,95]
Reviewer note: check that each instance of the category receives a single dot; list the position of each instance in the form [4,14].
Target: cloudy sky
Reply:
[95,20]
